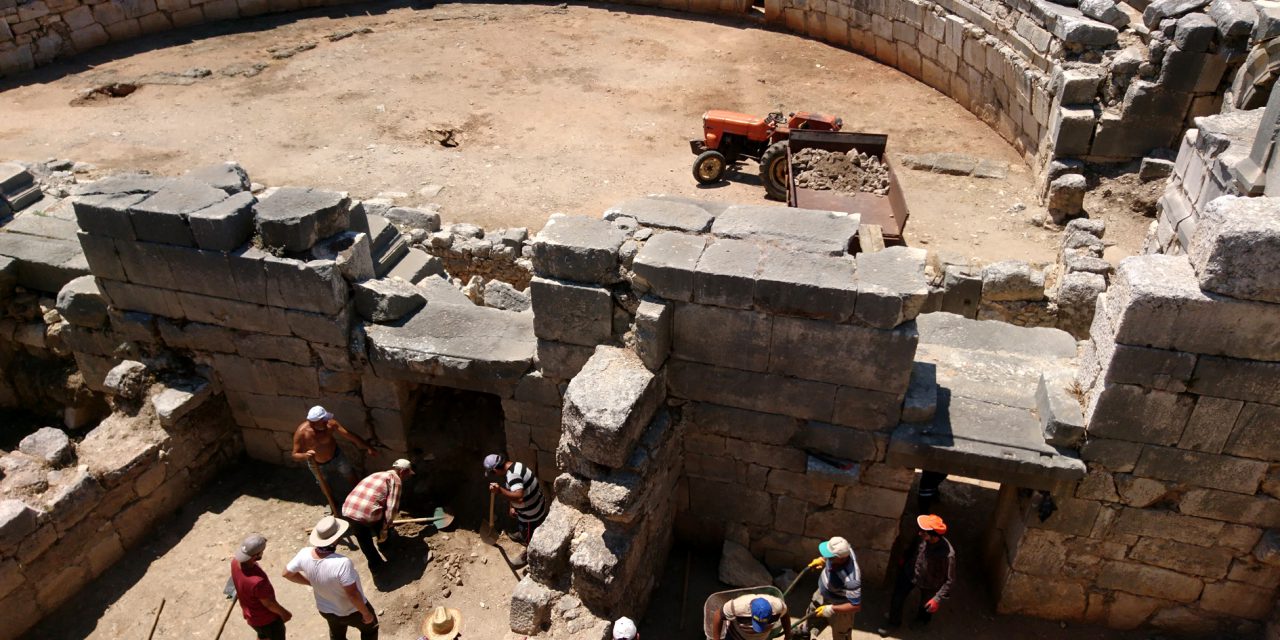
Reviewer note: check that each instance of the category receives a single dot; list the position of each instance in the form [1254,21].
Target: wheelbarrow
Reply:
[715,602]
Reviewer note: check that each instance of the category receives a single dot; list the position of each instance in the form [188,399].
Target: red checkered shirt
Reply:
[375,498]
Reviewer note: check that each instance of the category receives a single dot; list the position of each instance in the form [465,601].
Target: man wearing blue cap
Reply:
[839,594]
[752,617]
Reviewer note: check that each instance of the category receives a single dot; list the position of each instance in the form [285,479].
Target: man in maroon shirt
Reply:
[257,597]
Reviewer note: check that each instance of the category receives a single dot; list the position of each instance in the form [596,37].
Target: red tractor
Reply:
[728,137]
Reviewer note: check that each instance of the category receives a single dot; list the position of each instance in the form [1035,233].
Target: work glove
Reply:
[825,611]
[932,605]
[817,563]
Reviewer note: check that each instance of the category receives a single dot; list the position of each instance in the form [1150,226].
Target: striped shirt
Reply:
[841,583]
[532,508]
[376,498]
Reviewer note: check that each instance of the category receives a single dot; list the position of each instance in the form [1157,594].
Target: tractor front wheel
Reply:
[709,168]
[773,170]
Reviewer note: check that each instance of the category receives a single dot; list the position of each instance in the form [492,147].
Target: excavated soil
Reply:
[588,106]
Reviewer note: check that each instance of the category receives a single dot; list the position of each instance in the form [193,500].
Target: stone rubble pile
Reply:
[850,172]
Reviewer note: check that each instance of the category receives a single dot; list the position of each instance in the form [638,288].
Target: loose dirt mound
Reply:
[851,172]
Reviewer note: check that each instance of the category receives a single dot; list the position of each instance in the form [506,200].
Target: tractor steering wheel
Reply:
[775,117]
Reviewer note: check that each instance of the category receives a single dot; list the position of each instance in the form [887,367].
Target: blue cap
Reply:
[761,611]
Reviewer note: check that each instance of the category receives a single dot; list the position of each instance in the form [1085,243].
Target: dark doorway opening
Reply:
[452,431]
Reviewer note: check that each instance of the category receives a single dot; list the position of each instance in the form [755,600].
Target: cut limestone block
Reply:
[180,398]
[44,264]
[351,251]
[1235,248]
[81,303]
[666,263]
[922,395]
[107,214]
[739,569]
[663,214]
[414,218]
[416,265]
[224,226]
[227,176]
[804,284]
[653,332]
[726,274]
[1060,413]
[294,218]
[892,286]
[162,216]
[578,248]
[850,355]
[1012,280]
[501,295]
[569,312]
[826,232]
[732,338]
[385,301]
[315,285]
[608,404]
[478,347]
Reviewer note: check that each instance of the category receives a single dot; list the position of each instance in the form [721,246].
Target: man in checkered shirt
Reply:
[373,505]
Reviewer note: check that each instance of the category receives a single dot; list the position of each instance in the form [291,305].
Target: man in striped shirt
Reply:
[373,505]
[839,594]
[520,486]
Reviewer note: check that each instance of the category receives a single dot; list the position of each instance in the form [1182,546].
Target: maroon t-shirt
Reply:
[252,586]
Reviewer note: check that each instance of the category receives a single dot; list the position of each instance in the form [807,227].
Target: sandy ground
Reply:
[185,564]
[553,109]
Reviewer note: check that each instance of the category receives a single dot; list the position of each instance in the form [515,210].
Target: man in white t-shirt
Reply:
[334,582]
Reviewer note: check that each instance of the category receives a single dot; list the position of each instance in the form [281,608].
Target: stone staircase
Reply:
[18,189]
[394,258]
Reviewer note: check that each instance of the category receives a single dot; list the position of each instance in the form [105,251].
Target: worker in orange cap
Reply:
[930,566]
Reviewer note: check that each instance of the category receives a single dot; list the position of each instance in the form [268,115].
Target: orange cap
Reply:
[932,523]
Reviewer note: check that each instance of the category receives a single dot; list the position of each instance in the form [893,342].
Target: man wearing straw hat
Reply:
[334,582]
[442,624]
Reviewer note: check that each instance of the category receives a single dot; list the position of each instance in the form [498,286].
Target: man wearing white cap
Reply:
[254,591]
[625,629]
[334,582]
[373,505]
[313,441]
[839,593]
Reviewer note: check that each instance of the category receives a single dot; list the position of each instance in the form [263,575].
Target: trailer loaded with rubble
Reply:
[849,172]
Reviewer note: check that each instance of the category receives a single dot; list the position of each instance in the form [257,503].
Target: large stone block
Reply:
[1210,425]
[723,337]
[196,270]
[869,531]
[561,360]
[1223,472]
[1060,414]
[666,263]
[81,303]
[808,285]
[224,226]
[1258,511]
[1072,130]
[755,391]
[162,216]
[1238,600]
[850,355]
[826,232]
[316,286]
[294,218]
[227,176]
[1236,240]
[107,214]
[867,409]
[663,214]
[1256,433]
[384,301]
[1209,562]
[130,297]
[608,404]
[1012,280]
[764,428]
[837,441]
[892,287]
[726,274]
[43,264]
[228,313]
[1246,380]
[962,291]
[578,248]
[1145,580]
[1127,412]
[570,312]
[1156,301]
[100,254]
[653,332]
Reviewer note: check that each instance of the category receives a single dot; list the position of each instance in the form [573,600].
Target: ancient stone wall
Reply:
[70,510]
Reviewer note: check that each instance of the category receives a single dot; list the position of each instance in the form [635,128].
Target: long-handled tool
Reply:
[229,590]
[324,486]
[440,517]
[487,533]
[156,622]
[795,582]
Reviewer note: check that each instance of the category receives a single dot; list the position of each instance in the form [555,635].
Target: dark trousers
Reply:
[270,631]
[338,625]
[365,534]
[928,493]
[901,589]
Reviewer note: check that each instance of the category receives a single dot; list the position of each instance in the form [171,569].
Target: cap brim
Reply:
[240,556]
[825,549]
[758,626]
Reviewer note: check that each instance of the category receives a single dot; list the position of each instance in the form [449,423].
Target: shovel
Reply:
[487,533]
[228,590]
[440,517]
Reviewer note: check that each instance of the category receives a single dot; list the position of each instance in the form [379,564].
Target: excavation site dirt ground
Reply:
[504,114]
[185,564]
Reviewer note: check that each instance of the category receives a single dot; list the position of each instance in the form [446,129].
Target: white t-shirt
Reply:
[328,576]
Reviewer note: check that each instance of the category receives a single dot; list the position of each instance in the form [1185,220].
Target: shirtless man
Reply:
[314,441]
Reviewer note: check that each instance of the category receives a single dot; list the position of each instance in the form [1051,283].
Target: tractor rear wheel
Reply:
[709,168]
[773,170]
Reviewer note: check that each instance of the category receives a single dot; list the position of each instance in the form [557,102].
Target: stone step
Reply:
[23,198]
[416,265]
[13,178]
[389,258]
[382,234]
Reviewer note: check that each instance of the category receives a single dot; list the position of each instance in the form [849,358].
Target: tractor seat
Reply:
[741,119]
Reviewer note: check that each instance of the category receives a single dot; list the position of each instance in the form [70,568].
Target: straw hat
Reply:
[442,624]
[328,531]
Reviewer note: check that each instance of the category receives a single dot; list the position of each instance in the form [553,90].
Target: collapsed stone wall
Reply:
[71,509]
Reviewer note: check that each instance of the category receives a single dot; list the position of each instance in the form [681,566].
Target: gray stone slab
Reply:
[665,265]
[653,332]
[224,226]
[385,301]
[867,409]
[233,313]
[197,271]
[1256,433]
[803,284]
[1128,412]
[844,354]
[81,303]
[414,218]
[315,285]
[294,218]
[985,441]
[726,274]
[892,287]
[961,291]
[1156,301]
[43,264]
[249,274]
[123,183]
[1160,10]
[439,289]
[227,176]
[561,360]
[950,330]
[42,225]
[725,337]
[824,232]
[1236,244]
[1226,473]
[466,344]
[318,328]
[132,297]
[501,295]
[162,216]
[921,402]
[608,404]
[1012,280]
[1061,417]
[1195,32]
[100,254]
[578,248]
[1234,19]
[107,214]
[754,391]
[570,312]
[663,214]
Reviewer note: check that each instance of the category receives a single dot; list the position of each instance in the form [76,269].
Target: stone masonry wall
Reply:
[69,511]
